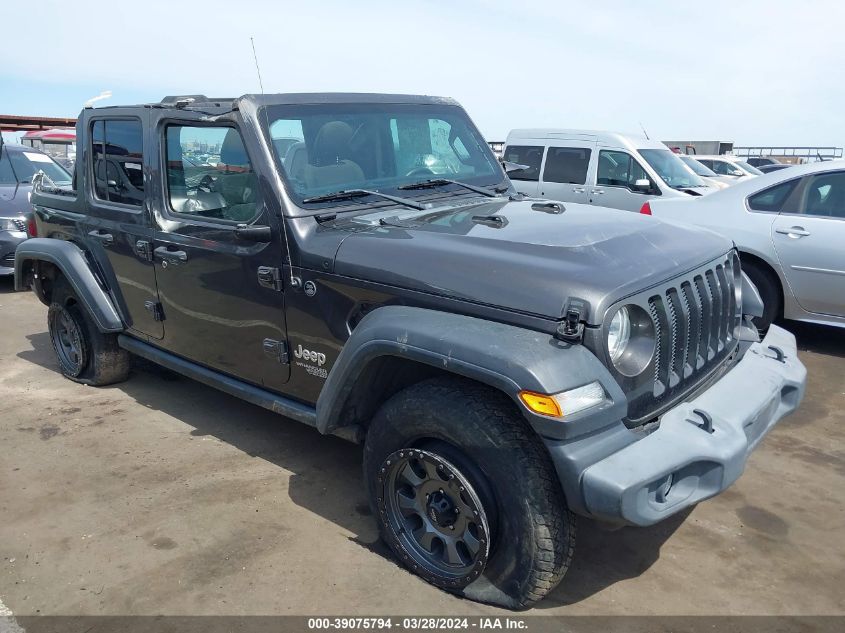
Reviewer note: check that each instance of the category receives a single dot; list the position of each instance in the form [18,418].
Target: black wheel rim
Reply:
[67,339]
[433,517]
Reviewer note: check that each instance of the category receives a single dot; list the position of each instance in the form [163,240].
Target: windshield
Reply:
[749,168]
[20,167]
[670,169]
[698,168]
[326,148]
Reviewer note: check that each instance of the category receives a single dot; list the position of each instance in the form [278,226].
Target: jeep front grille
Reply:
[696,319]
[21,224]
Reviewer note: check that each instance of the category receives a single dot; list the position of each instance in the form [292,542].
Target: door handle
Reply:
[169,255]
[100,236]
[597,191]
[578,190]
[794,232]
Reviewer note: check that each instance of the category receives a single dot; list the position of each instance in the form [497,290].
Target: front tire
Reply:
[467,447]
[85,354]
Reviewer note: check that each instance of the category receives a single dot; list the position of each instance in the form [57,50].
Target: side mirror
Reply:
[642,185]
[736,172]
[509,166]
[253,233]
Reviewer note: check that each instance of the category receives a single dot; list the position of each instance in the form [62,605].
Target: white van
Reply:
[602,168]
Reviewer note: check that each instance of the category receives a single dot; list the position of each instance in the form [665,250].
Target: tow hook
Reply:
[706,423]
[779,355]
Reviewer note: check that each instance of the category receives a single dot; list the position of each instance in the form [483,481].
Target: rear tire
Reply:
[85,354]
[769,288]
[487,450]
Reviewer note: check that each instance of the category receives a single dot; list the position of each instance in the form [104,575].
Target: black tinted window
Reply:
[567,165]
[531,155]
[825,195]
[772,199]
[118,161]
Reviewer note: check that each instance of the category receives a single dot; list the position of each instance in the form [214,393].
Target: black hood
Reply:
[529,261]
[14,200]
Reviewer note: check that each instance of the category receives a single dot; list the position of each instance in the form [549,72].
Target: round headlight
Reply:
[630,340]
[618,334]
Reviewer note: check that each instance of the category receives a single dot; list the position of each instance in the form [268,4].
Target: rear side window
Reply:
[118,161]
[567,165]
[530,155]
[771,200]
[824,195]
[209,174]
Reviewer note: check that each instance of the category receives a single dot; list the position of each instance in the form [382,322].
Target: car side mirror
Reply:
[253,233]
[736,172]
[642,185]
[509,166]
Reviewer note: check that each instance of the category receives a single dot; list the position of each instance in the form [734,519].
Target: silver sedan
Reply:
[789,227]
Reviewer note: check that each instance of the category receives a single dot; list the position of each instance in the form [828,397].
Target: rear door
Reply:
[809,236]
[565,171]
[117,228]
[221,295]
[616,172]
[526,181]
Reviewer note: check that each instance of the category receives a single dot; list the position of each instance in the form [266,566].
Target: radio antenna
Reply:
[642,127]
[257,69]
[295,281]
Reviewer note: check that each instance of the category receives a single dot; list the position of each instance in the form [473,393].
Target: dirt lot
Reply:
[161,495]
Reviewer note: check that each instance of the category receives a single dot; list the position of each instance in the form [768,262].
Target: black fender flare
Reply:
[70,259]
[506,357]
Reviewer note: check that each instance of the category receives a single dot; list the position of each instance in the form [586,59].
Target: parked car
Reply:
[18,164]
[773,167]
[506,362]
[789,227]
[759,161]
[601,168]
[725,165]
[705,173]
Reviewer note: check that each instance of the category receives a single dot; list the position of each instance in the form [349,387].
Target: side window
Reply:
[771,200]
[619,169]
[118,161]
[824,195]
[209,174]
[567,165]
[531,155]
[721,167]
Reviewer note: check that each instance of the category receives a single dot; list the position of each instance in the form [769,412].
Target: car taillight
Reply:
[645,209]
[31,227]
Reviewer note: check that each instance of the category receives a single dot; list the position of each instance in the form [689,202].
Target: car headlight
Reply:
[630,340]
[7,224]
[618,334]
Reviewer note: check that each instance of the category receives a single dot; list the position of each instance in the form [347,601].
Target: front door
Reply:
[565,171]
[221,294]
[809,241]
[616,175]
[118,228]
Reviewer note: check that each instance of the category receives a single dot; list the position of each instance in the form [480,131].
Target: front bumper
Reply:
[9,241]
[683,462]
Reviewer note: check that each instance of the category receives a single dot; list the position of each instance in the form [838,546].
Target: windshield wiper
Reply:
[439,182]
[348,194]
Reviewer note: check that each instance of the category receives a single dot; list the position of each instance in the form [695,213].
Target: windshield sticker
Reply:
[37,158]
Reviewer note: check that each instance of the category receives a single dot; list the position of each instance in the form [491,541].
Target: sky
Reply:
[747,71]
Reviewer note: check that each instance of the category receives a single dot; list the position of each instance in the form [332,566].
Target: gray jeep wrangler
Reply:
[362,264]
